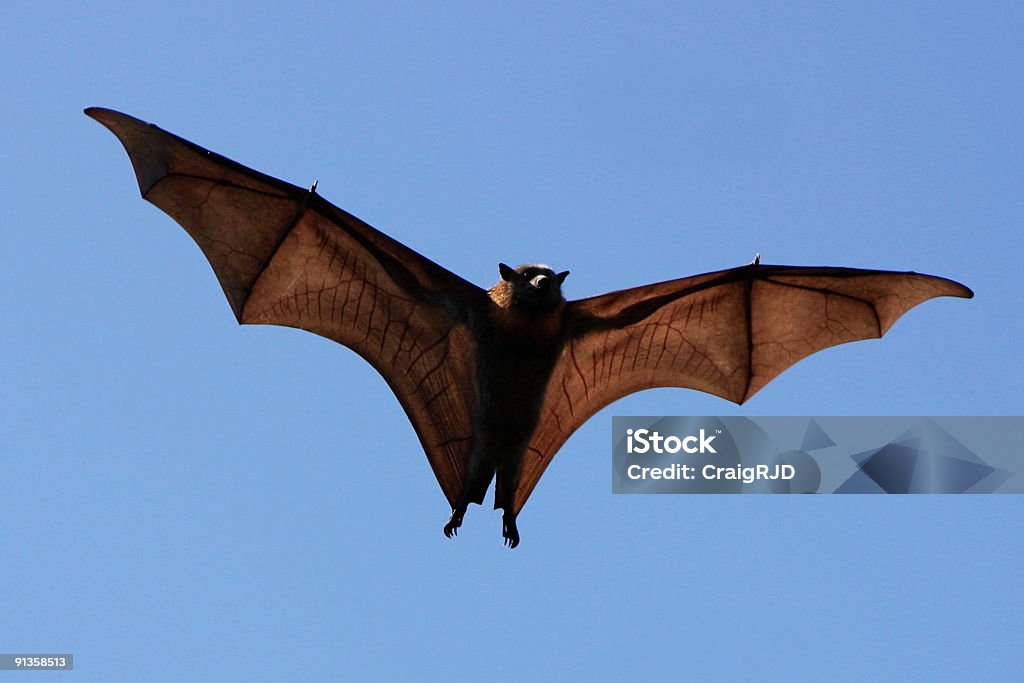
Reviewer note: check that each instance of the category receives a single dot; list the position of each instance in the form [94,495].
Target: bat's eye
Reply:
[541,282]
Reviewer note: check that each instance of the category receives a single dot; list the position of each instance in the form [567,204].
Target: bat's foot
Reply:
[451,529]
[509,530]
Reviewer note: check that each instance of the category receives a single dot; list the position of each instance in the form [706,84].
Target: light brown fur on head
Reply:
[501,294]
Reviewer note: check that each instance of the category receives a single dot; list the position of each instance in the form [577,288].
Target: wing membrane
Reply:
[726,333]
[285,256]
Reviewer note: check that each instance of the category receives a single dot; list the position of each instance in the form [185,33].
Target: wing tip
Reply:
[110,118]
[950,287]
[121,125]
[148,159]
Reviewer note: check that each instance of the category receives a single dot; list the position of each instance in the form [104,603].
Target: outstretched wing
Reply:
[727,333]
[284,256]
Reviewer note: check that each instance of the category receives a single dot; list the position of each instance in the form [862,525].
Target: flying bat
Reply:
[494,381]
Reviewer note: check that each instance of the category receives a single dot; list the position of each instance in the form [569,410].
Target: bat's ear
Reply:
[507,274]
[561,276]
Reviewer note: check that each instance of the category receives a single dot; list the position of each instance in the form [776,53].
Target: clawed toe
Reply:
[451,529]
[509,531]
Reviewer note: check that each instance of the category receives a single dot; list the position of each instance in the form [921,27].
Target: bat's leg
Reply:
[455,521]
[479,472]
[509,531]
[504,495]
[458,512]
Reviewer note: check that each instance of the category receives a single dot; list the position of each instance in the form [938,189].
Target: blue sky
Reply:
[187,499]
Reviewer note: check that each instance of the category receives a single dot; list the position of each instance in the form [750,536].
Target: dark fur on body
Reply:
[519,338]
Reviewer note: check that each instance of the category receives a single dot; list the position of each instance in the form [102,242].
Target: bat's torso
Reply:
[516,353]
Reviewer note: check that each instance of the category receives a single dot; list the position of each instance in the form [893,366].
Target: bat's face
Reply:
[534,286]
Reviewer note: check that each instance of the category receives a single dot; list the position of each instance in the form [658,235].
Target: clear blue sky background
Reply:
[185,499]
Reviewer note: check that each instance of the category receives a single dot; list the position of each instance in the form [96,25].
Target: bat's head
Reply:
[531,286]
